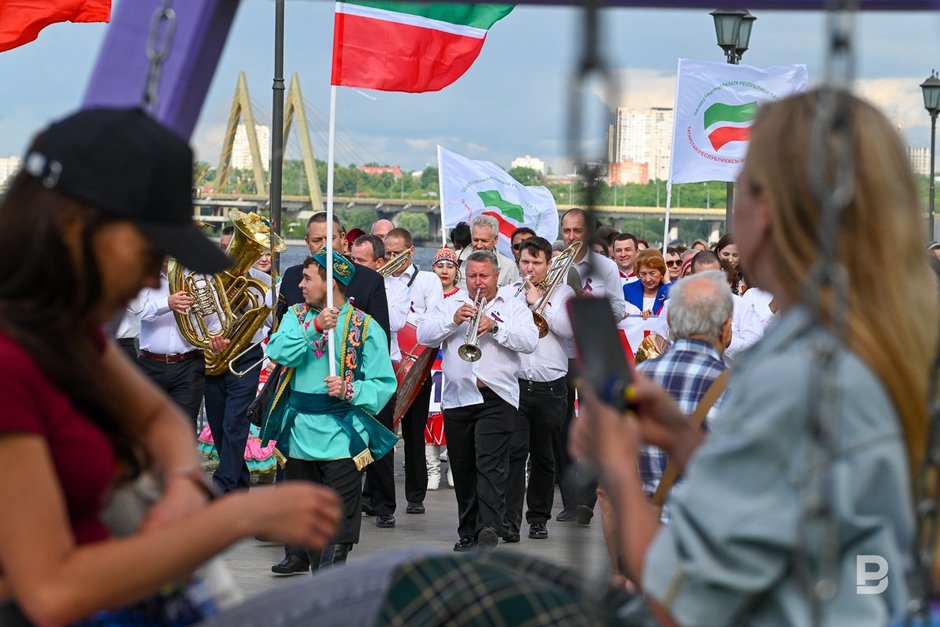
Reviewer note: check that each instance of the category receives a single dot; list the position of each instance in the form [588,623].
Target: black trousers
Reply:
[227,401]
[183,381]
[538,427]
[575,490]
[412,433]
[478,450]
[340,475]
[129,346]
[379,490]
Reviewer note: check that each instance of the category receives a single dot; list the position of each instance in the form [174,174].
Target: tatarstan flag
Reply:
[410,47]
[716,104]
[727,123]
[469,188]
[21,20]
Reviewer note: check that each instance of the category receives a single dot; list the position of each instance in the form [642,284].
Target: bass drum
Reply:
[413,369]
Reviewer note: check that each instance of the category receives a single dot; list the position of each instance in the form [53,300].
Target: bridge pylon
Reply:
[294,106]
[241,107]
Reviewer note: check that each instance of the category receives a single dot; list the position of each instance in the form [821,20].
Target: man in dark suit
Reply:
[366,291]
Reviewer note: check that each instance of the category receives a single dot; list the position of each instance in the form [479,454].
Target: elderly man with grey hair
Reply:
[484,234]
[700,325]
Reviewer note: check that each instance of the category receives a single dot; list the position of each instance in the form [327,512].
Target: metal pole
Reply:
[729,197]
[933,173]
[277,131]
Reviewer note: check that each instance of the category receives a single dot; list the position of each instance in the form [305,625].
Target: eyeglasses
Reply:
[675,263]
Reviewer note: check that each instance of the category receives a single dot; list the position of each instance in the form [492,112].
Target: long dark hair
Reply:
[47,298]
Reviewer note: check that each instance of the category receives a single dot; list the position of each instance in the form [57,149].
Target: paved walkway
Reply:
[569,544]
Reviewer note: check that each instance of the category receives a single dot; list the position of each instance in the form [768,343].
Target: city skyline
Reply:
[511,103]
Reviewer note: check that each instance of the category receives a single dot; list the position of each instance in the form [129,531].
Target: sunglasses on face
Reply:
[675,263]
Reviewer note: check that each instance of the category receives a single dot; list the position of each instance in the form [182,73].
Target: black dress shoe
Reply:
[291,565]
[584,514]
[415,508]
[566,515]
[487,538]
[465,544]
[367,510]
[385,521]
[538,531]
[508,535]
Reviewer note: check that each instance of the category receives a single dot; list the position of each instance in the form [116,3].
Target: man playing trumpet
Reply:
[543,392]
[480,397]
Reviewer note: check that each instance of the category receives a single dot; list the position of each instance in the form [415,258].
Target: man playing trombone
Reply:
[543,390]
[482,338]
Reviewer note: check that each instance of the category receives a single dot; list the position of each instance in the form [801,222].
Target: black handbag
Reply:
[259,407]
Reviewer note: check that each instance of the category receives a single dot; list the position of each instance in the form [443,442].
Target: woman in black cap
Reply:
[103,196]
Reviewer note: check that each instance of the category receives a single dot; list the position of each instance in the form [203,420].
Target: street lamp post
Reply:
[733,31]
[931,90]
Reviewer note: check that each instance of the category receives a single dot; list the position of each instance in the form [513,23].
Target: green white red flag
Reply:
[470,188]
[21,20]
[715,107]
[405,46]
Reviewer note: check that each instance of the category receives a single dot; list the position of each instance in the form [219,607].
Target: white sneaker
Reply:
[434,482]
[450,476]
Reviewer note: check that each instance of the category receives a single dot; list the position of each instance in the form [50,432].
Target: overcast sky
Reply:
[511,102]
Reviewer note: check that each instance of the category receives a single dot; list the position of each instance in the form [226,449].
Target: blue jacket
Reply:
[633,293]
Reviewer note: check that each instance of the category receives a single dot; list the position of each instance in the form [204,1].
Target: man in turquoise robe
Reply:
[324,424]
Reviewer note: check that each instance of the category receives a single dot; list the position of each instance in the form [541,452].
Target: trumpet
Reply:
[469,350]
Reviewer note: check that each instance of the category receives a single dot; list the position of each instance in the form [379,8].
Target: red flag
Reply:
[21,20]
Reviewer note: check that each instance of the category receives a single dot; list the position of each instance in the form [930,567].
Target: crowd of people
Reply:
[699,491]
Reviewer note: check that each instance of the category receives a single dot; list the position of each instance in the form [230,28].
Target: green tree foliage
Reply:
[416,223]
[527,176]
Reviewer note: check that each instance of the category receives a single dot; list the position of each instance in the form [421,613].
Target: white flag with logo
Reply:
[715,107]
[470,188]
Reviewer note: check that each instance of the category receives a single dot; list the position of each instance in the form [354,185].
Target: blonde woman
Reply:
[733,550]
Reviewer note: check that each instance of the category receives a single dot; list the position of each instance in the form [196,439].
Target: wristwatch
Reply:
[494,329]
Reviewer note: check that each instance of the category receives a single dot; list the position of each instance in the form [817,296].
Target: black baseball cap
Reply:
[125,163]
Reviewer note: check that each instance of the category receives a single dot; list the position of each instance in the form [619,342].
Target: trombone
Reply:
[470,350]
[399,262]
[557,273]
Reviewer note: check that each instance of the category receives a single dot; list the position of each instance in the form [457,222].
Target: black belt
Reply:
[559,381]
[172,358]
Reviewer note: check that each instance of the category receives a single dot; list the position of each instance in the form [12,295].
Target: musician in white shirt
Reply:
[422,292]
[484,231]
[175,365]
[543,397]
[480,398]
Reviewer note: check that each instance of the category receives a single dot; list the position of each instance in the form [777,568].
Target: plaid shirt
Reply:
[686,371]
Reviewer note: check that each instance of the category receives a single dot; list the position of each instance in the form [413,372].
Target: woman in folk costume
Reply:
[324,423]
[445,266]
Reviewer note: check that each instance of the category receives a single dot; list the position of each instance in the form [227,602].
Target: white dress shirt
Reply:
[413,294]
[746,327]
[130,323]
[498,367]
[759,300]
[603,281]
[508,271]
[549,360]
[158,331]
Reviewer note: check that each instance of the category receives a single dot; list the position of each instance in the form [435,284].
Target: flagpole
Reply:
[668,207]
[330,344]
[440,196]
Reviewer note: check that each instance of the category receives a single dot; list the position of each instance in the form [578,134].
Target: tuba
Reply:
[230,304]
[557,273]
